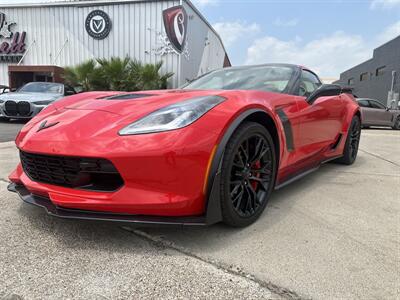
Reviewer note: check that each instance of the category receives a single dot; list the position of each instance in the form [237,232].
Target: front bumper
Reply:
[66,213]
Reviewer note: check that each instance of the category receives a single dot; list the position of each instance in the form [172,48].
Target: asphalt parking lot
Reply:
[332,235]
[9,129]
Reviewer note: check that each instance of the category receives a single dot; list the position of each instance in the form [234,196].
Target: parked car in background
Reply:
[31,98]
[376,114]
[4,89]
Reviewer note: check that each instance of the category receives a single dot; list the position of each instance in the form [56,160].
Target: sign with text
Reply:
[12,44]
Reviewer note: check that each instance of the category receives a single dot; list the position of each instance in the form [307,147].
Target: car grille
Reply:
[11,108]
[24,108]
[21,108]
[72,172]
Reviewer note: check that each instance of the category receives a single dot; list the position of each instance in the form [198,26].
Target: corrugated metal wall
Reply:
[134,33]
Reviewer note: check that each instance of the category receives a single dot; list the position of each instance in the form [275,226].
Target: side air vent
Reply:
[127,97]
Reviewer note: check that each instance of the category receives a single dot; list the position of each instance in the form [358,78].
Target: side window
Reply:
[376,104]
[363,103]
[308,83]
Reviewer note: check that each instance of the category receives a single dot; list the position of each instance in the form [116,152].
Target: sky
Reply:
[328,36]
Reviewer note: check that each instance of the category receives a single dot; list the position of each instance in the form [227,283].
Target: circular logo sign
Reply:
[98,24]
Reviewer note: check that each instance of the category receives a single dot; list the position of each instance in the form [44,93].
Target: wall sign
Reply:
[13,47]
[175,22]
[98,24]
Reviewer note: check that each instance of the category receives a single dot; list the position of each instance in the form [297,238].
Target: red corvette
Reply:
[209,152]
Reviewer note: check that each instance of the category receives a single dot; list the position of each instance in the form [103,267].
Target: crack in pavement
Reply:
[380,157]
[273,288]
[4,180]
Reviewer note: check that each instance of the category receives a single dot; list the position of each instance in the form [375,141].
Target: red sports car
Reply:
[209,152]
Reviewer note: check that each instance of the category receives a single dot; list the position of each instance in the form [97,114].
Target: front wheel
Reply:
[248,174]
[396,125]
[352,142]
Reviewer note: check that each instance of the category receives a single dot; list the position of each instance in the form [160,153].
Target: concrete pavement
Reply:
[332,235]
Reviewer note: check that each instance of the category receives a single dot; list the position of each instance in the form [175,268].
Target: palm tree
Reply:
[116,73]
[81,75]
[148,77]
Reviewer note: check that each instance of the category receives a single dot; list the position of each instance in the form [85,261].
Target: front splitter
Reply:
[76,214]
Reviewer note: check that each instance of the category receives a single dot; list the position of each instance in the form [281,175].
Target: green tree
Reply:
[116,73]
[148,76]
[81,75]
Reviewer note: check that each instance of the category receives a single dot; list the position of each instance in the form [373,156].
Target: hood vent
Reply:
[127,97]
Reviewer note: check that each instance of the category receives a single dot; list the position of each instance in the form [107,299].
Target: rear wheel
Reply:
[352,142]
[248,174]
[396,125]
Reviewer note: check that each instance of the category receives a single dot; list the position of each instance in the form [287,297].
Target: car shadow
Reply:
[83,234]
[14,121]
[376,128]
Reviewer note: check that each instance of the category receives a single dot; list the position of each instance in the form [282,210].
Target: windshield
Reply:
[264,78]
[42,87]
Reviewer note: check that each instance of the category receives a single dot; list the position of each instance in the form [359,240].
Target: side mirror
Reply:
[325,90]
[69,93]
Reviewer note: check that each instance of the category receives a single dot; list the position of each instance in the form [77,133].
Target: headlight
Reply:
[45,102]
[172,117]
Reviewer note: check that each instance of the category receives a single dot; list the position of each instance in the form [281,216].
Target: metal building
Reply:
[67,33]
[379,77]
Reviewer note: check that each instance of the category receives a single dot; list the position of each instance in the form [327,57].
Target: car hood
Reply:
[136,103]
[30,97]
[91,115]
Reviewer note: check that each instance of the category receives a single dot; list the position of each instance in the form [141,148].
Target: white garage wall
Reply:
[134,32]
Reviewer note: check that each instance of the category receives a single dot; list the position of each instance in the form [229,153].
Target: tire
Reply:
[248,174]
[352,142]
[396,125]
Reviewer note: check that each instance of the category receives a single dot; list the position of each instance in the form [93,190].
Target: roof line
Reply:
[75,3]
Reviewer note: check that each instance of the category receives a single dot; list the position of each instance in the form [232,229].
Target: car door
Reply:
[320,122]
[367,111]
[379,114]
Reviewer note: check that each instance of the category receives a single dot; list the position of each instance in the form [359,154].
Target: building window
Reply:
[364,76]
[350,81]
[380,71]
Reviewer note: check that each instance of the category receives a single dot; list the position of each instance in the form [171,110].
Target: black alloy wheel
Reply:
[355,133]
[352,142]
[248,174]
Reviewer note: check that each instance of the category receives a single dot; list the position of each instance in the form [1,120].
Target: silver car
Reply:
[30,99]
[376,114]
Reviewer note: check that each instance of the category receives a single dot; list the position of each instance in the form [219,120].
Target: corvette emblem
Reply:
[44,125]
[175,22]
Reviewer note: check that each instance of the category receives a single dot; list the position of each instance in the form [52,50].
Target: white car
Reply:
[30,99]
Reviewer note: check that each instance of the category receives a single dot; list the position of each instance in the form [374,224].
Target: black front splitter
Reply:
[67,213]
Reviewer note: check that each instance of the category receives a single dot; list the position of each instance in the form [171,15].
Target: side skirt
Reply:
[304,173]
